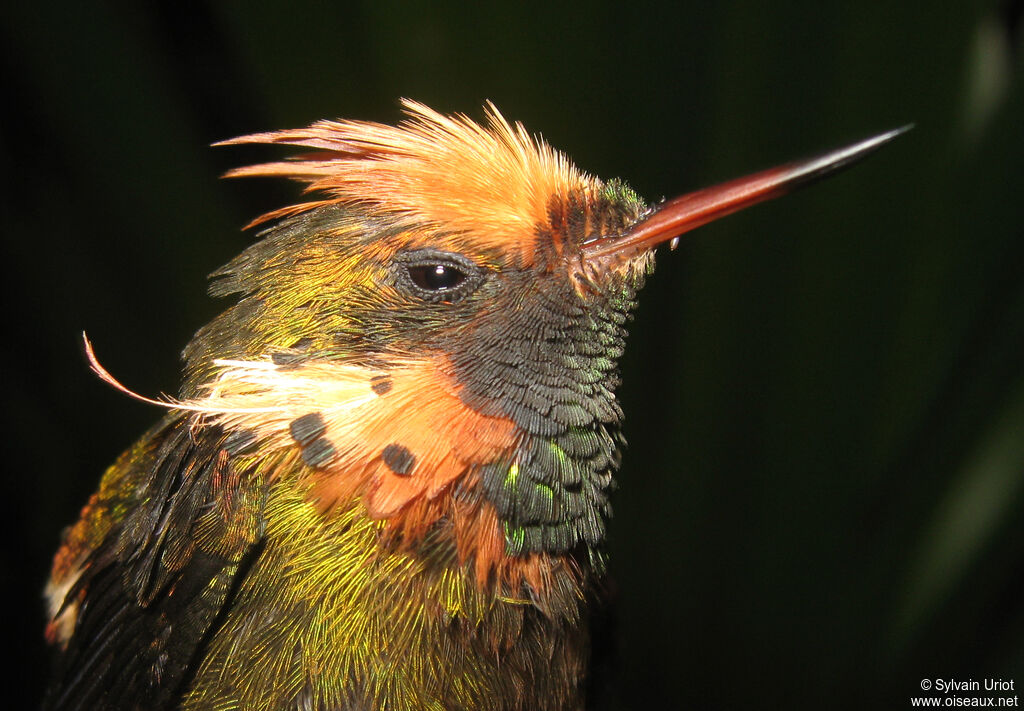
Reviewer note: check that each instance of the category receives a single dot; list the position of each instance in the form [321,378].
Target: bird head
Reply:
[434,336]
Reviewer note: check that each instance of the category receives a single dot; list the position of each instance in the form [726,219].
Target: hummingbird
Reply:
[385,481]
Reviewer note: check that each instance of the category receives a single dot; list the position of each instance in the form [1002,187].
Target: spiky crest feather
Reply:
[496,182]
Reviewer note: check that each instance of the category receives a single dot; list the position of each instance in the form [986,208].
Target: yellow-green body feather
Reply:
[328,617]
[311,608]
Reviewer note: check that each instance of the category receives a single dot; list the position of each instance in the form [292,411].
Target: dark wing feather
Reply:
[153,588]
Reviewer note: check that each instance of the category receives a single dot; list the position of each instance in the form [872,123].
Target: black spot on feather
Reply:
[399,459]
[318,452]
[307,428]
[288,359]
[381,384]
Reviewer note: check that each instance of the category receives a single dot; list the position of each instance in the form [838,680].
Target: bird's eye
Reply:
[436,277]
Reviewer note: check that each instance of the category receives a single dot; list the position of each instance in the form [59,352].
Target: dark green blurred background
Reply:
[821,503]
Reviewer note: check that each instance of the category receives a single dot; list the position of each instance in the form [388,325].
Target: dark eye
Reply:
[436,277]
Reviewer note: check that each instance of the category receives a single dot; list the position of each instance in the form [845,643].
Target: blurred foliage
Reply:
[821,501]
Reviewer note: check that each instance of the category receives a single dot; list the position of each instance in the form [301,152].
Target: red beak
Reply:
[692,210]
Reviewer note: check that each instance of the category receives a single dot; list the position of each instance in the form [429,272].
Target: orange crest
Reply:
[446,172]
